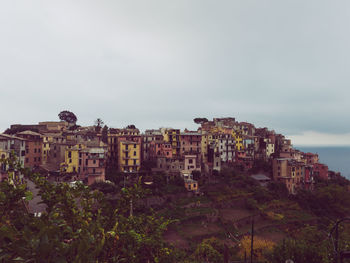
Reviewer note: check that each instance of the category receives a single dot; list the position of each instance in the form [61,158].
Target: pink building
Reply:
[320,170]
[160,149]
[310,158]
[244,161]
[190,143]
[92,166]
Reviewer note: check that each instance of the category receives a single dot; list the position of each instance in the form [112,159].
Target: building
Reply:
[191,164]
[320,171]
[190,142]
[129,156]
[173,137]
[16,144]
[93,164]
[115,139]
[226,147]
[147,139]
[34,146]
[289,172]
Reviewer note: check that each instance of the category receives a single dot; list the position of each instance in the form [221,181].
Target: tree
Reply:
[310,245]
[210,250]
[261,247]
[78,225]
[105,134]
[98,124]
[131,126]
[68,116]
[18,129]
[200,120]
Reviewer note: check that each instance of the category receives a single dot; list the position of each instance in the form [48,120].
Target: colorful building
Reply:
[173,137]
[34,146]
[129,156]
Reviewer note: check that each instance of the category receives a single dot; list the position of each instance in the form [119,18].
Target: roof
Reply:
[29,133]
[261,177]
[7,136]
[94,150]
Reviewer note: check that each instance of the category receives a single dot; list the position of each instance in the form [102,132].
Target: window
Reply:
[135,162]
[134,153]
[135,146]
[86,162]
[70,160]
[34,159]
[94,161]
[34,150]
[190,161]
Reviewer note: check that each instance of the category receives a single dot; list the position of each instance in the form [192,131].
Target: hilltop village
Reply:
[68,152]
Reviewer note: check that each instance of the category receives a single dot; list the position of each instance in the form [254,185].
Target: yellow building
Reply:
[173,136]
[71,158]
[129,156]
[238,141]
[47,140]
[115,136]
[191,185]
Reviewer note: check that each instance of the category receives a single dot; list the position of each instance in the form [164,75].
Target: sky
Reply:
[277,64]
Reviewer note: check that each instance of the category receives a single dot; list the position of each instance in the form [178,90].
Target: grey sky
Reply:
[280,64]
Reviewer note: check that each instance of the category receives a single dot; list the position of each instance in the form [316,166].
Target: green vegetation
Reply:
[108,222]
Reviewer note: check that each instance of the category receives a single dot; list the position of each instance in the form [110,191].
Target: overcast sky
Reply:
[280,64]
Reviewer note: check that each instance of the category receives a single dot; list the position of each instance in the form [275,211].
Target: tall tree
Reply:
[98,124]
[105,134]
[68,116]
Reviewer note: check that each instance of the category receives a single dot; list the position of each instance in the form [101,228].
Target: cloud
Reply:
[280,64]
[312,138]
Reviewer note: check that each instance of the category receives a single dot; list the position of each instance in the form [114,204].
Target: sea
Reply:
[336,157]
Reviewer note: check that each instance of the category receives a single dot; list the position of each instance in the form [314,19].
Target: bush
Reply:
[251,204]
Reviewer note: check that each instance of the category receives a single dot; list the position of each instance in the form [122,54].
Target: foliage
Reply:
[131,126]
[98,124]
[278,190]
[261,166]
[311,245]
[262,195]
[210,250]
[104,187]
[115,176]
[262,247]
[200,120]
[79,225]
[14,130]
[68,116]
[251,204]
[196,175]
[147,166]
[331,200]
[104,136]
